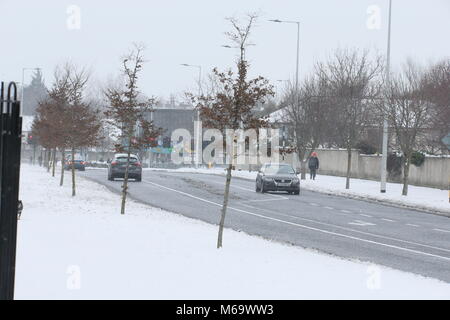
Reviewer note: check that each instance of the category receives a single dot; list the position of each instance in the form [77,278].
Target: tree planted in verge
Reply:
[49,124]
[353,81]
[232,103]
[436,88]
[81,119]
[307,113]
[127,111]
[408,112]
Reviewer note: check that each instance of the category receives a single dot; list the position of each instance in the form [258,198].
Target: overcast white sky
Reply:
[35,34]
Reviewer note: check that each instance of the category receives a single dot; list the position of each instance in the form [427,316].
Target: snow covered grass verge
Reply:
[82,248]
[429,199]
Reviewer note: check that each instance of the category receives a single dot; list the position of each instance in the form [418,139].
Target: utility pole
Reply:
[198,145]
[385,123]
[298,47]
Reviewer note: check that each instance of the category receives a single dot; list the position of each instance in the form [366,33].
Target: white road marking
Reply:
[361,223]
[329,208]
[263,200]
[303,226]
[388,220]
[351,230]
[441,230]
[365,215]
[412,225]
[314,204]
[346,211]
[252,190]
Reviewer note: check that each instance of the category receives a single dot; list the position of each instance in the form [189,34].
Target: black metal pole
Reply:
[10,137]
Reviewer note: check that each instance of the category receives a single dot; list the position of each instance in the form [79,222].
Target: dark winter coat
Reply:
[313,163]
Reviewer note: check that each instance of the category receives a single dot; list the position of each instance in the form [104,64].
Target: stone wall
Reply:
[434,172]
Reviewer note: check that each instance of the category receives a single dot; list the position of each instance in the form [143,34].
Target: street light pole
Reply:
[298,54]
[298,46]
[385,123]
[297,64]
[199,134]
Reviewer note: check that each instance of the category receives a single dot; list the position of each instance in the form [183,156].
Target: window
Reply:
[279,169]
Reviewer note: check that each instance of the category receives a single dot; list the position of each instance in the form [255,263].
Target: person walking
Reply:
[313,165]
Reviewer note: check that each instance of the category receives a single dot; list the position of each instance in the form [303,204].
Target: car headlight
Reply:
[296,180]
[268,179]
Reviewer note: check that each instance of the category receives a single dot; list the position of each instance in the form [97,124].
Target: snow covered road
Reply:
[400,238]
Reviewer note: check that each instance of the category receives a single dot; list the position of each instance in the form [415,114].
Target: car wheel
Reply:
[297,192]
[262,189]
[139,179]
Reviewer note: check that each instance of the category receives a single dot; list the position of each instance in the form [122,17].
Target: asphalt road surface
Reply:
[399,238]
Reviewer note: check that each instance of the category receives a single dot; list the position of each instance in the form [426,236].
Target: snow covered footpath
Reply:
[430,199]
[82,248]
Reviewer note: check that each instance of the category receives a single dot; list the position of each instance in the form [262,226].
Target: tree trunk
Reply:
[125,185]
[54,162]
[303,169]
[258,156]
[63,154]
[34,154]
[73,172]
[406,163]
[47,159]
[349,168]
[224,206]
[300,156]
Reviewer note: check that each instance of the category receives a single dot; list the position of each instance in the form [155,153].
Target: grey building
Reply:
[172,119]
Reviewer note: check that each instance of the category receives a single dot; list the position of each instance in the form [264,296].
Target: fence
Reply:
[10,143]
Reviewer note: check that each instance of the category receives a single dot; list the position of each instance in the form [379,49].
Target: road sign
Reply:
[446,140]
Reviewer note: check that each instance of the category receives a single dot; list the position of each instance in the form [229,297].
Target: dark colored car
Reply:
[277,177]
[117,167]
[79,163]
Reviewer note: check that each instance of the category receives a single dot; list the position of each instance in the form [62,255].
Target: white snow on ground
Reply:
[82,248]
[418,197]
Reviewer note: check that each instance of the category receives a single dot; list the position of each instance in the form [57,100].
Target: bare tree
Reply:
[353,80]
[436,87]
[81,121]
[45,128]
[127,111]
[64,120]
[231,103]
[408,112]
[49,122]
[307,114]
[59,95]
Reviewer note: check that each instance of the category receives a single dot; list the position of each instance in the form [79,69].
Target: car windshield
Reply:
[124,159]
[69,158]
[279,170]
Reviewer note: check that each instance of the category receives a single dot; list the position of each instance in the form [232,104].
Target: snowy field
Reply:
[82,248]
[418,197]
